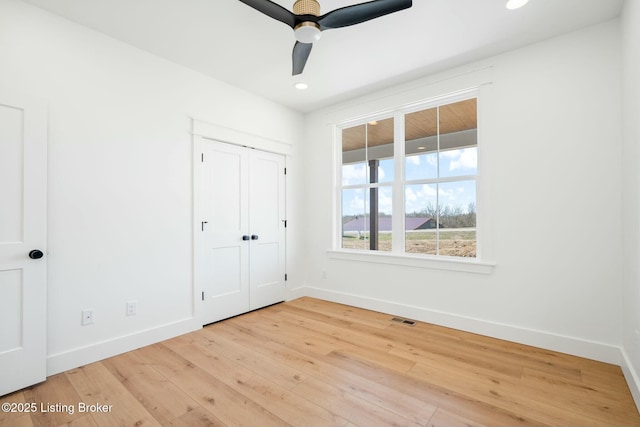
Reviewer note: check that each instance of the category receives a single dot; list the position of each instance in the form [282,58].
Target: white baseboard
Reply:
[564,344]
[71,359]
[299,292]
[632,376]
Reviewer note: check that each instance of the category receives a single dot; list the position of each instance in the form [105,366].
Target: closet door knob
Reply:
[254,237]
[36,254]
[245,237]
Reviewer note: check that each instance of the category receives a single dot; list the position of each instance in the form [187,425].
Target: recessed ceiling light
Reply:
[301,86]
[516,4]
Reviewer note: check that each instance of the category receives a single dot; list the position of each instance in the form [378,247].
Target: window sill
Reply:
[436,263]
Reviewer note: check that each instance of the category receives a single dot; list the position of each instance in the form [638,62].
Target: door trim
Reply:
[200,128]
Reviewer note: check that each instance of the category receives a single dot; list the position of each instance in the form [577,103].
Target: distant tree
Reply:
[448,216]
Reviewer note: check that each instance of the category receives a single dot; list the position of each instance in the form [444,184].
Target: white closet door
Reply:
[239,207]
[23,233]
[222,256]
[266,219]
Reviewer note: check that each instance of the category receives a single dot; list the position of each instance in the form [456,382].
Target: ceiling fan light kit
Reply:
[307,23]
[307,32]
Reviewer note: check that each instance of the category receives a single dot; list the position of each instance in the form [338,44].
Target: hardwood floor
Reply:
[314,363]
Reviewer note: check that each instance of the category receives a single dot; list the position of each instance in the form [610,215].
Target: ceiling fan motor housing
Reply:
[306,7]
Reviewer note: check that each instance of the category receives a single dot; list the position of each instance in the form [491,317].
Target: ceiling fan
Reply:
[307,23]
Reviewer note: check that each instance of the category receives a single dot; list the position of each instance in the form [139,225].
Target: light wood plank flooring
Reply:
[314,363]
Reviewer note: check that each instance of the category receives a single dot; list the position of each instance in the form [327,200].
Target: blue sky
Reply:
[417,196]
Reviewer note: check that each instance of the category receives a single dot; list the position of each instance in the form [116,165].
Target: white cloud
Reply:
[462,159]
[450,154]
[446,196]
[413,160]
[354,174]
[418,197]
[429,190]
[410,195]
[385,201]
[357,204]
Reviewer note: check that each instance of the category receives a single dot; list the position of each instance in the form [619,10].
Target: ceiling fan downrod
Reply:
[306,7]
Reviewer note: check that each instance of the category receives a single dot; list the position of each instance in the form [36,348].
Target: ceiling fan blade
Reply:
[357,13]
[300,55]
[273,10]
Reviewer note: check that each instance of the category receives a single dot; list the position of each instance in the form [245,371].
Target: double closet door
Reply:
[240,229]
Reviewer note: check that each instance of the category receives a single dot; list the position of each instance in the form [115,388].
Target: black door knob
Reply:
[254,237]
[36,254]
[245,237]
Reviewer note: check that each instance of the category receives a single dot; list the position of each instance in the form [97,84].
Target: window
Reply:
[367,185]
[408,181]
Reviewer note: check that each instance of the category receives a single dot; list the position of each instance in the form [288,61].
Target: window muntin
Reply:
[439,165]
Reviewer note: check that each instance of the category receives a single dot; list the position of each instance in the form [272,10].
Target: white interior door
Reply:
[266,219]
[239,196]
[23,222]
[222,229]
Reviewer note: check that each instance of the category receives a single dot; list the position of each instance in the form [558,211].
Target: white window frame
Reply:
[398,256]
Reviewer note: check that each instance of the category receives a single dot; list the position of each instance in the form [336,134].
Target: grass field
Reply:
[459,242]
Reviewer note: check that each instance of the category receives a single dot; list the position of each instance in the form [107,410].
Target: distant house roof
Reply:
[384,223]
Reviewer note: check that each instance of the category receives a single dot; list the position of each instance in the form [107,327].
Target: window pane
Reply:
[421,144]
[368,146]
[421,166]
[380,141]
[457,117]
[386,170]
[354,156]
[355,220]
[459,162]
[357,207]
[458,139]
[421,203]
[457,218]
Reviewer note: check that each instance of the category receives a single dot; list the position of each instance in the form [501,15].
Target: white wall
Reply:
[551,146]
[120,200]
[631,190]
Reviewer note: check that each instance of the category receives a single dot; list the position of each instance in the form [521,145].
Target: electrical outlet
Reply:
[132,308]
[87,316]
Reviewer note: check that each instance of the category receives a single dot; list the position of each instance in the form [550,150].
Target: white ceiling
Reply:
[234,43]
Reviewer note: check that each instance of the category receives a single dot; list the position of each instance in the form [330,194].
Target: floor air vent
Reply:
[404,321]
